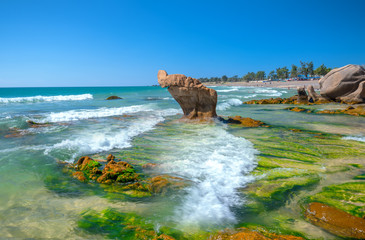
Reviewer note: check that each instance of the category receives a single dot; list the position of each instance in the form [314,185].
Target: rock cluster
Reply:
[196,100]
[113,98]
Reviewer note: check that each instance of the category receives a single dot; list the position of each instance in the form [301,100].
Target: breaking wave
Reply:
[229,103]
[228,90]
[76,115]
[218,164]
[47,98]
[107,138]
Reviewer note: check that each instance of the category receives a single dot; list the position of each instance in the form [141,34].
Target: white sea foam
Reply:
[218,164]
[355,138]
[76,115]
[228,90]
[47,98]
[229,103]
[108,138]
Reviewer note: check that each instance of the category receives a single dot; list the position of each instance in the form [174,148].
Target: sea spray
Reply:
[218,164]
[229,103]
[46,98]
[76,115]
[109,137]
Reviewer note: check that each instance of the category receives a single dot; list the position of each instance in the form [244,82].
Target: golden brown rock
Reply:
[196,100]
[358,111]
[79,176]
[246,122]
[149,166]
[248,234]
[336,221]
[163,183]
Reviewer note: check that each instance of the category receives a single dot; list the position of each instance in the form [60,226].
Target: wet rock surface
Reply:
[113,98]
[196,100]
[245,122]
[336,221]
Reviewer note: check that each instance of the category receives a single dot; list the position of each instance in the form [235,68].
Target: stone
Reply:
[113,98]
[110,157]
[86,163]
[246,122]
[336,221]
[196,100]
[248,234]
[315,97]
[302,95]
[79,176]
[117,171]
[345,84]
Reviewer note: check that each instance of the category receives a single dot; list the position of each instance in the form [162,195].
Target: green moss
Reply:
[117,225]
[360,177]
[349,197]
[356,165]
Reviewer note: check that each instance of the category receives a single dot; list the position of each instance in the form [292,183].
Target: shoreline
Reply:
[278,84]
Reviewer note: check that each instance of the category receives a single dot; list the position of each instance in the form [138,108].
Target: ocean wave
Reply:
[229,103]
[47,98]
[218,164]
[76,115]
[110,137]
[355,138]
[228,90]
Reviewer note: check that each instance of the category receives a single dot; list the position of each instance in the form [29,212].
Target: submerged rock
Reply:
[336,221]
[246,122]
[248,234]
[196,100]
[299,109]
[113,98]
[345,84]
[291,100]
[358,111]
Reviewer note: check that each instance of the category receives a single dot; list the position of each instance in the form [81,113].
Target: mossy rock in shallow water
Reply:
[118,225]
[349,197]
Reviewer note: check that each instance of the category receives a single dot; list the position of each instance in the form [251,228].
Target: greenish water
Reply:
[234,176]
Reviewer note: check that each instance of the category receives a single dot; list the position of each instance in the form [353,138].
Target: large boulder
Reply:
[344,84]
[196,100]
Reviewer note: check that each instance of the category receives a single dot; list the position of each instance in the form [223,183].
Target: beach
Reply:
[270,84]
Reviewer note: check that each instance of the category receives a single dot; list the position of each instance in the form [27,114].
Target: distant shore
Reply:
[274,84]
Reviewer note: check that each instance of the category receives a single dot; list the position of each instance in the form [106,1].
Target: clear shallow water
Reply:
[216,161]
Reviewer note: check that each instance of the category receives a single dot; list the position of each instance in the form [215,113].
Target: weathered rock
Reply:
[86,163]
[291,100]
[358,111]
[298,109]
[246,122]
[110,157]
[248,234]
[196,100]
[79,176]
[117,171]
[315,97]
[302,95]
[336,221]
[113,98]
[164,183]
[345,84]
[150,166]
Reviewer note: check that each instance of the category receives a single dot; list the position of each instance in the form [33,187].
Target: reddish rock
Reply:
[336,221]
[163,183]
[79,176]
[358,111]
[149,166]
[196,100]
[248,234]
[110,157]
[117,171]
[86,163]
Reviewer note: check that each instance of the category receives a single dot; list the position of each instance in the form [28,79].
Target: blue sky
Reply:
[125,43]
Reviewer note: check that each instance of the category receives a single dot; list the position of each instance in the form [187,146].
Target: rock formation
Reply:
[344,84]
[336,221]
[196,100]
[113,98]
[302,95]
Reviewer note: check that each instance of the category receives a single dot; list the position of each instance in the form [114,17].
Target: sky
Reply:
[49,43]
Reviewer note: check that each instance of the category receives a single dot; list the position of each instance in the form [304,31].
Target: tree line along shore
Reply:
[305,71]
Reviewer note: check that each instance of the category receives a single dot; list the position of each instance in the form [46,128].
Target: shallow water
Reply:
[38,200]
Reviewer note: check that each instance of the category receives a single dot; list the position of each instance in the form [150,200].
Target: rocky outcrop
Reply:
[196,100]
[345,84]
[302,95]
[336,221]
[113,98]
[245,122]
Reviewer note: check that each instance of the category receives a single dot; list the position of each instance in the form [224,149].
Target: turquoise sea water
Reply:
[213,158]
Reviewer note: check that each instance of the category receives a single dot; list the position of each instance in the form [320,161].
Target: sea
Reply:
[39,200]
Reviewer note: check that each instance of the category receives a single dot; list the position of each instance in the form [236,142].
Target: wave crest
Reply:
[47,98]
